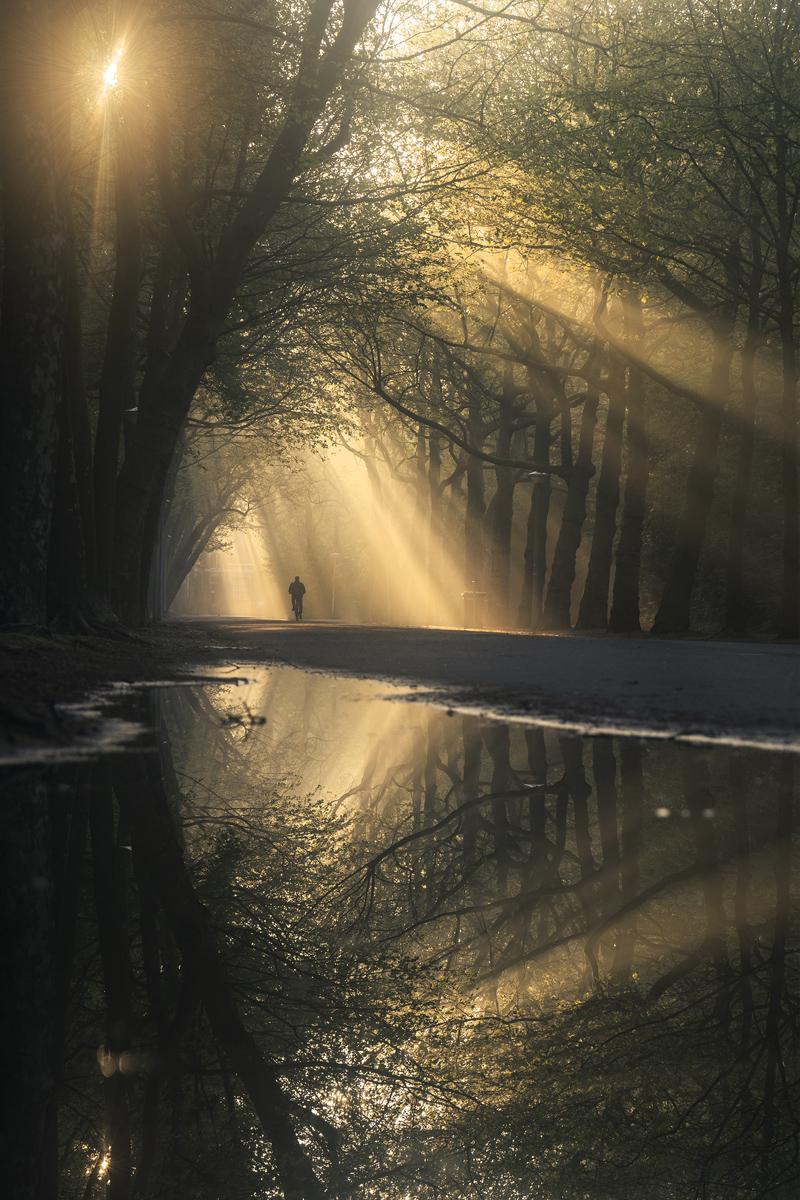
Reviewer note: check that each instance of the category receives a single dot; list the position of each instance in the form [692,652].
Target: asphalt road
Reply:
[726,691]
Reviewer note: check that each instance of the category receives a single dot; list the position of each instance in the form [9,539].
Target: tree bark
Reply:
[674,611]
[117,383]
[604,768]
[378,602]
[735,616]
[537,809]
[497,740]
[557,605]
[625,616]
[632,781]
[455,497]
[526,618]
[777,969]
[68,822]
[76,417]
[31,322]
[593,610]
[434,529]
[471,731]
[109,867]
[738,778]
[476,508]
[579,791]
[421,498]
[787,269]
[529,613]
[29,1030]
[67,587]
[503,514]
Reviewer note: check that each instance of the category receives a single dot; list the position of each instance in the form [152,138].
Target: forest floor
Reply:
[741,692]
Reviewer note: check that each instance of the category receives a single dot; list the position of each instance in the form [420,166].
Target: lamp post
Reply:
[536,477]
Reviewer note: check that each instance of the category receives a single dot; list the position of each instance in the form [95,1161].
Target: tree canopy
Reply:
[238,200]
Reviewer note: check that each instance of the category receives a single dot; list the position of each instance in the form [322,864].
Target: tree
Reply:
[31,321]
[323,53]
[659,185]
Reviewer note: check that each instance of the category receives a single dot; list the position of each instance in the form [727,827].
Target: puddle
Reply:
[302,938]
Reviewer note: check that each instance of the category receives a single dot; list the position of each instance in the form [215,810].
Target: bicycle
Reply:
[297,607]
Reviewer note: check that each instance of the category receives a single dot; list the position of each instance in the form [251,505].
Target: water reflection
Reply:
[312,943]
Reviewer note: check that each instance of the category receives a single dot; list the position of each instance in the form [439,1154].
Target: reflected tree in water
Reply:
[383,950]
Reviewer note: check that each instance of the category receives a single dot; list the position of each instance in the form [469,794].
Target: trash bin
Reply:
[474,606]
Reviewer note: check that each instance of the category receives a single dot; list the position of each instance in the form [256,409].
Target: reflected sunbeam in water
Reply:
[334,943]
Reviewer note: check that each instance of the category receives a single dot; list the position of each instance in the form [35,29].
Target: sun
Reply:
[111,73]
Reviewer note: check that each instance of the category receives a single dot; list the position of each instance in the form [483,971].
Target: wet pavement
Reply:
[305,937]
[741,692]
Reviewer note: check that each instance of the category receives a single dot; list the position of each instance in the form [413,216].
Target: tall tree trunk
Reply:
[76,422]
[117,383]
[542,436]
[166,318]
[632,781]
[593,610]
[471,731]
[674,611]
[29,1029]
[535,868]
[476,508]
[562,573]
[624,616]
[31,321]
[150,579]
[314,564]
[604,768]
[379,585]
[738,778]
[735,616]
[497,740]
[68,823]
[171,1032]
[433,724]
[421,500]
[775,1068]
[434,529]
[109,865]
[503,511]
[455,497]
[787,270]
[535,563]
[145,803]
[526,617]
[580,791]
[537,808]
[64,69]
[67,596]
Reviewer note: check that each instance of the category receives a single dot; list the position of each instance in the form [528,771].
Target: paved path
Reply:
[730,691]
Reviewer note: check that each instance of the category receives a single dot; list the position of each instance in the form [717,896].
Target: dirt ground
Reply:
[41,673]
[731,691]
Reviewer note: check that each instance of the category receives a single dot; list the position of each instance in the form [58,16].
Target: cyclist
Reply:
[297,590]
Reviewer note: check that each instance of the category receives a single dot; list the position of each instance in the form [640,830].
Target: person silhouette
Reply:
[297,590]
